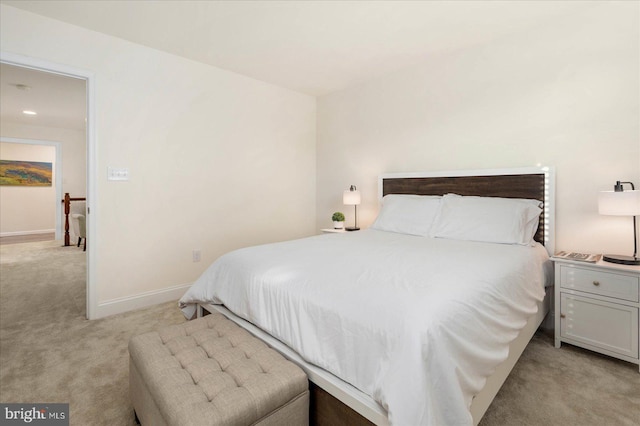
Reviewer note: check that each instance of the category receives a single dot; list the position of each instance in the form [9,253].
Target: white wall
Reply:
[565,94]
[28,209]
[74,158]
[217,160]
[74,151]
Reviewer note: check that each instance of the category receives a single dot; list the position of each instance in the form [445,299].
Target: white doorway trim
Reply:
[92,246]
[58,174]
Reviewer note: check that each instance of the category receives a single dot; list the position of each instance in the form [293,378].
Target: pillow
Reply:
[407,214]
[487,219]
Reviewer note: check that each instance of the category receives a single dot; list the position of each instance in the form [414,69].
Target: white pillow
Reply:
[407,214]
[487,219]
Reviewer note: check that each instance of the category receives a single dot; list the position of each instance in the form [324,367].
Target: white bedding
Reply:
[417,323]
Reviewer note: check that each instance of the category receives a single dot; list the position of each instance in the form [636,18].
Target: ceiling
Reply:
[314,47]
[59,101]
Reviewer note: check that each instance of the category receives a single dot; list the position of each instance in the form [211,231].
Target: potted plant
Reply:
[338,220]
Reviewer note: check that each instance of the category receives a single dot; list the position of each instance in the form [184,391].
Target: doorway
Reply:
[52,70]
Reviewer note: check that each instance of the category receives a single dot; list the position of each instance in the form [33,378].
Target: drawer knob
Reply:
[596,283]
[562,316]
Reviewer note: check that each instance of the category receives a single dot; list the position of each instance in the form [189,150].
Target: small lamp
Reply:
[621,203]
[351,197]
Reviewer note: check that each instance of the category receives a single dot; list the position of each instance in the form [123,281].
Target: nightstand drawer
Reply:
[601,324]
[604,283]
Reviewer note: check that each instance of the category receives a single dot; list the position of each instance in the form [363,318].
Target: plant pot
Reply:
[338,225]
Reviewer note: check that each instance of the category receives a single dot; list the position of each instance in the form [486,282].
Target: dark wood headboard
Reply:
[533,183]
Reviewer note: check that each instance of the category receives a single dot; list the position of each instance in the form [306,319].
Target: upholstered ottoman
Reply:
[210,371]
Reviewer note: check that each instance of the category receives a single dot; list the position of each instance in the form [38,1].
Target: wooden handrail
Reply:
[67,209]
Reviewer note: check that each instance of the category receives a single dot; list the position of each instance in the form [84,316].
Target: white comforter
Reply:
[417,323]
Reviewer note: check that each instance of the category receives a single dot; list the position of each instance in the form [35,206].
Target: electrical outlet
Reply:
[196,255]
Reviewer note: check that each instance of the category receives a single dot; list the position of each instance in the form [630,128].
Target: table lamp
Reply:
[621,203]
[351,197]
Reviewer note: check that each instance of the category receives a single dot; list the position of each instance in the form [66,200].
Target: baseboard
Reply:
[140,301]
[16,233]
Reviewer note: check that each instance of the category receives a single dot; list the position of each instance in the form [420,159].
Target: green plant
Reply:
[337,217]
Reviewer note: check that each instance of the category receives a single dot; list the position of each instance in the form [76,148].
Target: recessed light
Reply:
[29,112]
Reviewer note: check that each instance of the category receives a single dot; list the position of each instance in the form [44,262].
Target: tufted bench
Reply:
[210,371]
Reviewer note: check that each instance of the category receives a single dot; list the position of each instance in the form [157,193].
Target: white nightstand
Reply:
[596,307]
[333,230]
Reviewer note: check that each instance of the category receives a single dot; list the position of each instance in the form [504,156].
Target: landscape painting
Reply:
[25,173]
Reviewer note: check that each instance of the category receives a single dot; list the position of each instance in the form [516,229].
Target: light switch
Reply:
[121,174]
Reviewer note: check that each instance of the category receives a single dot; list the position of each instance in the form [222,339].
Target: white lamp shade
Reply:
[623,203]
[351,198]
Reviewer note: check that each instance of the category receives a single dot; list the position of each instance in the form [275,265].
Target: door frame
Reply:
[91,142]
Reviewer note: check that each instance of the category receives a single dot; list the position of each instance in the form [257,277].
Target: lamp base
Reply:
[618,258]
[351,228]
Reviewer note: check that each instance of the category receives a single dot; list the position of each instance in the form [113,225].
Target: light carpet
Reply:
[49,352]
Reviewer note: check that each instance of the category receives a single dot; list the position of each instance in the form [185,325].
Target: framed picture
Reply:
[25,173]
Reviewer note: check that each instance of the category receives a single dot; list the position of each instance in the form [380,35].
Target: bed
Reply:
[402,323]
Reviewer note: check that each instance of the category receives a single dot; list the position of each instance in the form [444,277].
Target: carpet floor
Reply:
[49,352]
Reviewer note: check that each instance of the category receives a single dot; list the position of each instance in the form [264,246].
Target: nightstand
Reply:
[596,307]
[333,230]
